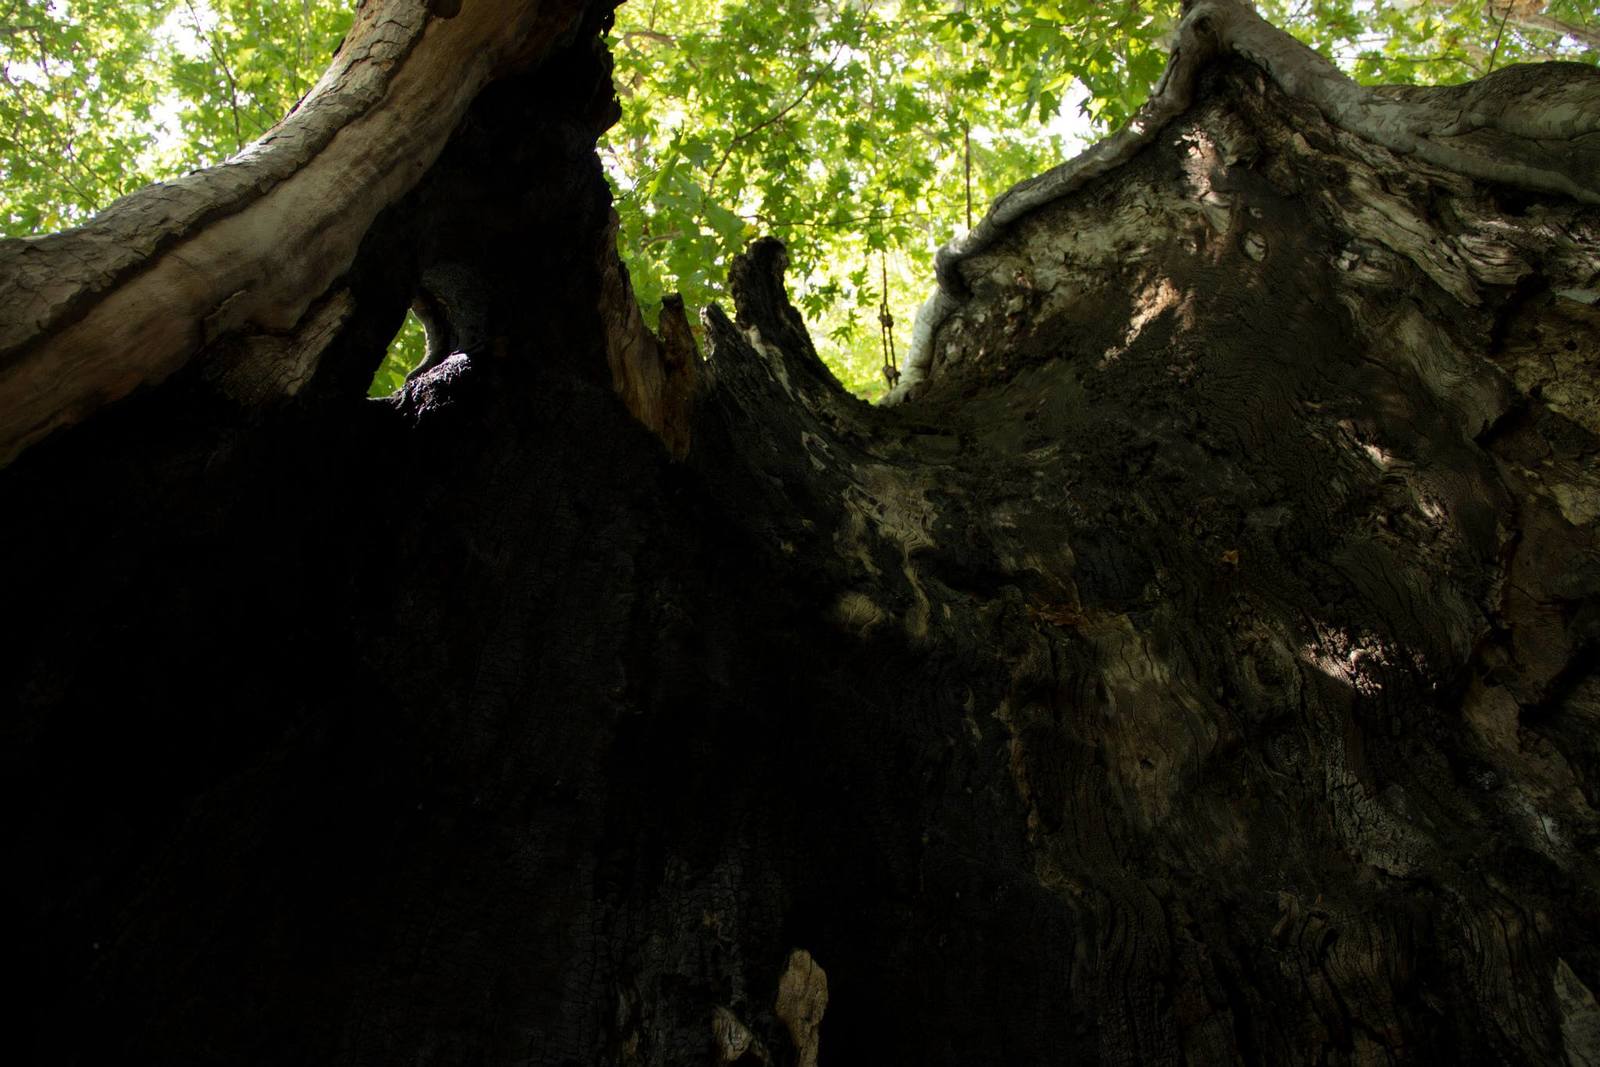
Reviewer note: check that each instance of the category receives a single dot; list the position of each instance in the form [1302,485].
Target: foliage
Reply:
[76,104]
[405,353]
[1437,42]
[101,97]
[845,127]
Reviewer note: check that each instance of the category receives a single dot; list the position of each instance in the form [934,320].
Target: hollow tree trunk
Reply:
[1198,668]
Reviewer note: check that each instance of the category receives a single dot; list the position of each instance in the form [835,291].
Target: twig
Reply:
[227,72]
[649,35]
[966,143]
[828,224]
[91,200]
[811,84]
[1495,51]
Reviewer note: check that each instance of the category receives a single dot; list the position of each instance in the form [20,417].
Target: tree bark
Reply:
[1198,668]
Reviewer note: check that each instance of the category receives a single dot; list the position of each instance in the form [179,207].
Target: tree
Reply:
[1198,667]
[861,134]
[99,98]
[857,133]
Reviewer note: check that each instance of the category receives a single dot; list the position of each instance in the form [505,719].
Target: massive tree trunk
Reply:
[1197,667]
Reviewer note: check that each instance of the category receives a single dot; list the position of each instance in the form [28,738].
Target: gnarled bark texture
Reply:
[1199,669]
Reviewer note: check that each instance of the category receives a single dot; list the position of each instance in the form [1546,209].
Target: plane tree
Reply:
[1195,663]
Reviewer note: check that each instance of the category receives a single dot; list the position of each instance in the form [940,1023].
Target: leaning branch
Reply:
[213,40]
[253,247]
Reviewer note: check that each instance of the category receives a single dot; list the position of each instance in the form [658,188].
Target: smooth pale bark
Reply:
[1199,669]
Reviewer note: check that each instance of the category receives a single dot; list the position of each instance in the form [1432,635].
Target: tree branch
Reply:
[811,83]
[1587,34]
[629,36]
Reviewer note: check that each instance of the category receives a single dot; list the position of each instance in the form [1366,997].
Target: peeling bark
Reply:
[1200,669]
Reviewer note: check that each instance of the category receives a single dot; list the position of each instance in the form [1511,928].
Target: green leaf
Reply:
[838,126]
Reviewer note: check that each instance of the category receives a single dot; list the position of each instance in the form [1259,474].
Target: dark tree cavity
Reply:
[1199,668]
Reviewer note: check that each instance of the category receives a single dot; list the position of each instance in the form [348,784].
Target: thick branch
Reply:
[249,246]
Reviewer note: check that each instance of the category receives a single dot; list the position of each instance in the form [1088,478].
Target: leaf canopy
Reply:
[864,133]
